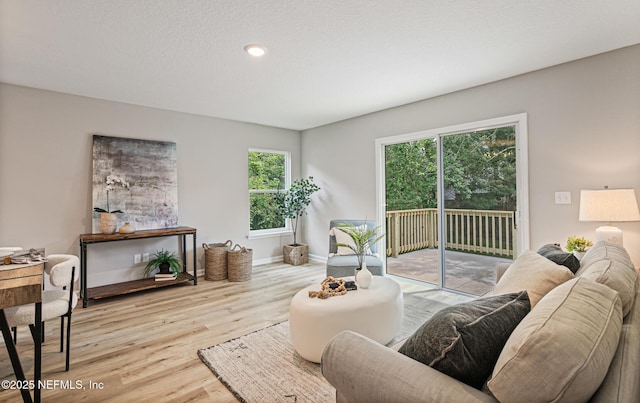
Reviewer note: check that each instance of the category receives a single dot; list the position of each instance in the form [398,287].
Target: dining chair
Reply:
[59,302]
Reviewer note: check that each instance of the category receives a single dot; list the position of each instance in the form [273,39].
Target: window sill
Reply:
[275,234]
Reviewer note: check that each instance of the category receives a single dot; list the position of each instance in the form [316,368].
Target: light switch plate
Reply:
[563,197]
[137,258]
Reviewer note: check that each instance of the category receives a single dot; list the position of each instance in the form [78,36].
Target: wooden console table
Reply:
[21,284]
[135,285]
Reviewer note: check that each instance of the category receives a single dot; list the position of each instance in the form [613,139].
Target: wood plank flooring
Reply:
[143,347]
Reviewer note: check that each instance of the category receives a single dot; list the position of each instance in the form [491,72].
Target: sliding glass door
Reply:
[451,204]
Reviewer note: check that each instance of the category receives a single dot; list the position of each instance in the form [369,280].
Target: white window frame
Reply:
[522,165]
[271,232]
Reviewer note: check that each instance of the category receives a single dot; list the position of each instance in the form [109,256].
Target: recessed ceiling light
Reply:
[255,50]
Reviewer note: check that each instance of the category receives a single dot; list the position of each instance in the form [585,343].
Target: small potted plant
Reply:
[578,245]
[108,217]
[362,237]
[292,205]
[167,261]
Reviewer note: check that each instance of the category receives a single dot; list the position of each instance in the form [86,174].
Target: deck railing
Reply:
[477,231]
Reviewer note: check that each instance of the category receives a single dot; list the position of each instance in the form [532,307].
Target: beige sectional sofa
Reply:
[579,342]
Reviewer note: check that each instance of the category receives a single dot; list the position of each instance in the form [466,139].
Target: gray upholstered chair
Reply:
[63,271]
[346,265]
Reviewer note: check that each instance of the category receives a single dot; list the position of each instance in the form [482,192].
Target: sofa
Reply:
[579,341]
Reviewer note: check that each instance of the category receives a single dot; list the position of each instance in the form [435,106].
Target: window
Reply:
[269,173]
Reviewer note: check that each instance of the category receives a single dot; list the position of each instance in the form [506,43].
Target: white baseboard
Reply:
[318,258]
[268,260]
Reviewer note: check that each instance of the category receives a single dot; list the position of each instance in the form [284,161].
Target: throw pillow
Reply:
[343,238]
[554,252]
[465,340]
[534,273]
[561,351]
[616,276]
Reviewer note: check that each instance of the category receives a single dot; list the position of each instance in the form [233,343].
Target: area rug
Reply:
[263,366]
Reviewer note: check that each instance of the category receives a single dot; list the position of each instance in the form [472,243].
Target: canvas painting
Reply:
[142,178]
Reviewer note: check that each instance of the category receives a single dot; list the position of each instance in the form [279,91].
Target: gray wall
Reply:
[45,175]
[584,132]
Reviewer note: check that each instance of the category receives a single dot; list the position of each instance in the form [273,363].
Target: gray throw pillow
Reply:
[465,340]
[554,252]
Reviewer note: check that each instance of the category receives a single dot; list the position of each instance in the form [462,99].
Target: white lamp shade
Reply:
[609,205]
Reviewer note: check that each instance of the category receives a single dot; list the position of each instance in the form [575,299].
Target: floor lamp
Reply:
[609,205]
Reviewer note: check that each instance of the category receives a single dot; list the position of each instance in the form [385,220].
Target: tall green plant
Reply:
[294,202]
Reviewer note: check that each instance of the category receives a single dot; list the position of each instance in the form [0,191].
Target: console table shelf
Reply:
[128,287]
[112,290]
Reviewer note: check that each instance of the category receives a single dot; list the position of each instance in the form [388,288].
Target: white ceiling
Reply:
[327,60]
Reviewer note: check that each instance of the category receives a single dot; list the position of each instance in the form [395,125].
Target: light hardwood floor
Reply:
[143,347]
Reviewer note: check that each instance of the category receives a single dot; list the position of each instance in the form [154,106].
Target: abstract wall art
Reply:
[149,168]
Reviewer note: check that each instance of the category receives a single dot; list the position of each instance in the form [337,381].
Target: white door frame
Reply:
[522,166]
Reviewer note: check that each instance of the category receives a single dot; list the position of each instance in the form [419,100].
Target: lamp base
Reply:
[609,234]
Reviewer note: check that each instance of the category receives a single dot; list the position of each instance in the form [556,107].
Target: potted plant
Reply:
[167,261]
[108,218]
[578,245]
[292,205]
[362,237]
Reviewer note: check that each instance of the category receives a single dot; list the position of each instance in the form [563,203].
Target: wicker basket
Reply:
[215,260]
[239,263]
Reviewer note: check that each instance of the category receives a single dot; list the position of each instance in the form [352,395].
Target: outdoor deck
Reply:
[466,272]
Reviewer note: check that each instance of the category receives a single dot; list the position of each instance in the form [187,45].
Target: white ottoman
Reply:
[375,312]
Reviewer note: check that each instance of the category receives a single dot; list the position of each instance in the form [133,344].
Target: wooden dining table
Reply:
[21,284]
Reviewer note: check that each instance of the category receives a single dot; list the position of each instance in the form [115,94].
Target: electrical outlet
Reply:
[137,258]
[563,197]
[145,257]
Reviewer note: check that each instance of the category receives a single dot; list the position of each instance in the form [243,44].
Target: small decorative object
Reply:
[108,223]
[362,238]
[127,228]
[167,261]
[108,218]
[578,245]
[330,287]
[364,276]
[292,205]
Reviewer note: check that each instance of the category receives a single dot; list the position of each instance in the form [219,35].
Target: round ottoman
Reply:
[375,312]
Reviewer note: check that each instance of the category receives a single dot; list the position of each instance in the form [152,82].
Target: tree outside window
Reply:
[268,175]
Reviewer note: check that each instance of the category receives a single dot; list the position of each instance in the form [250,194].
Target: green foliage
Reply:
[266,170]
[578,244]
[411,175]
[267,176]
[361,238]
[479,171]
[163,256]
[294,202]
[264,211]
